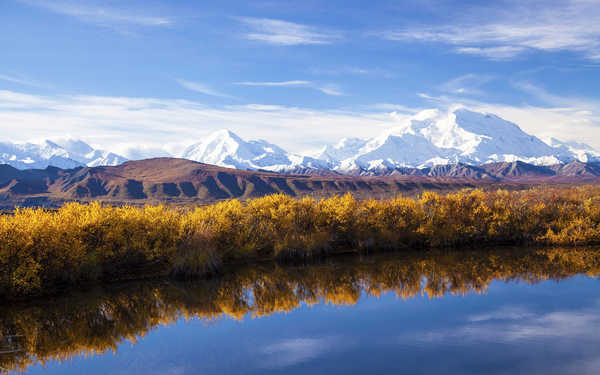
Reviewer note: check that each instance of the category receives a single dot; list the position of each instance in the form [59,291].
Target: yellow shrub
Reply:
[41,249]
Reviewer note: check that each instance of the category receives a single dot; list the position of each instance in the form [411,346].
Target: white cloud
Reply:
[202,88]
[394,107]
[285,33]
[468,84]
[329,89]
[119,123]
[353,70]
[141,126]
[21,80]
[505,313]
[493,53]
[276,84]
[289,352]
[517,324]
[100,14]
[563,26]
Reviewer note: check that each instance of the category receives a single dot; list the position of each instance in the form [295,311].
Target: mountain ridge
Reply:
[62,153]
[428,139]
[181,181]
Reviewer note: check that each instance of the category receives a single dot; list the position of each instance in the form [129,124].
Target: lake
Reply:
[503,311]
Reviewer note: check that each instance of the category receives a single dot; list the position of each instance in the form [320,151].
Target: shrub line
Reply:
[85,243]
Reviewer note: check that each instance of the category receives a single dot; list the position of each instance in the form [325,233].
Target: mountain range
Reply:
[184,181]
[429,139]
[64,153]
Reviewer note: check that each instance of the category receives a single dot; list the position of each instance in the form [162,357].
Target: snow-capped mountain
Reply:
[80,151]
[579,151]
[66,154]
[429,138]
[433,137]
[226,149]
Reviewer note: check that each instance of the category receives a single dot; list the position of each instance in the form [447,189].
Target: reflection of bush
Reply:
[100,319]
[40,250]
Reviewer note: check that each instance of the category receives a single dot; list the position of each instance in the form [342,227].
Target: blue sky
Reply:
[298,73]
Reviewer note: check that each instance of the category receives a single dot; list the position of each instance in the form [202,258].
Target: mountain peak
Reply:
[225,148]
[74,145]
[438,137]
[223,133]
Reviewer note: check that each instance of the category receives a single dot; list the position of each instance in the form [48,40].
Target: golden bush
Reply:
[41,250]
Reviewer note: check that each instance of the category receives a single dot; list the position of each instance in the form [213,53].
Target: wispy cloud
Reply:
[522,339]
[331,89]
[20,80]
[468,84]
[493,53]
[286,33]
[202,89]
[275,84]
[101,14]
[289,352]
[353,70]
[328,89]
[394,107]
[511,325]
[564,26]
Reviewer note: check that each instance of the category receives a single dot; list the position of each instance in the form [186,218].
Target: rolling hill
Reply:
[184,181]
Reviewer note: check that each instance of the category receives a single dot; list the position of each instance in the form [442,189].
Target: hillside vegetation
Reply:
[41,250]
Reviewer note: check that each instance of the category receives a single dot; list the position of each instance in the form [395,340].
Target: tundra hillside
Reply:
[42,250]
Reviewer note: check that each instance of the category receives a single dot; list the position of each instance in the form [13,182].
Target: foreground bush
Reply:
[40,250]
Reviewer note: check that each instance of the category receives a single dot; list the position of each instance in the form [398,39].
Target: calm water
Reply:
[487,312]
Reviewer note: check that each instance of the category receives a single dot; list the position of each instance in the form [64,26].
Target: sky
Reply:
[142,77]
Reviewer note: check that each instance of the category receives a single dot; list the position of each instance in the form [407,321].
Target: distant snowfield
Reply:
[431,137]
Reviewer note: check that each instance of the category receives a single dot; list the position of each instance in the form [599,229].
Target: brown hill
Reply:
[180,180]
[185,181]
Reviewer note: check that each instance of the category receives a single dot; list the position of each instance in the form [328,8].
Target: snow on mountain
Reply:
[86,155]
[580,151]
[429,138]
[66,154]
[344,149]
[433,137]
[226,149]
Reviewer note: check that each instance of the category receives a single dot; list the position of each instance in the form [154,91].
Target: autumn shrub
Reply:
[41,249]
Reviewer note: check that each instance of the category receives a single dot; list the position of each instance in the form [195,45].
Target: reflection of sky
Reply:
[549,328]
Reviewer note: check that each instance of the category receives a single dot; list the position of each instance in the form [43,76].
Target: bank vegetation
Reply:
[42,250]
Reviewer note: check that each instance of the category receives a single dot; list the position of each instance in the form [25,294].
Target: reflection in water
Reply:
[99,320]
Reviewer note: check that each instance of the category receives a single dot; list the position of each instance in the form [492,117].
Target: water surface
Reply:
[504,311]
